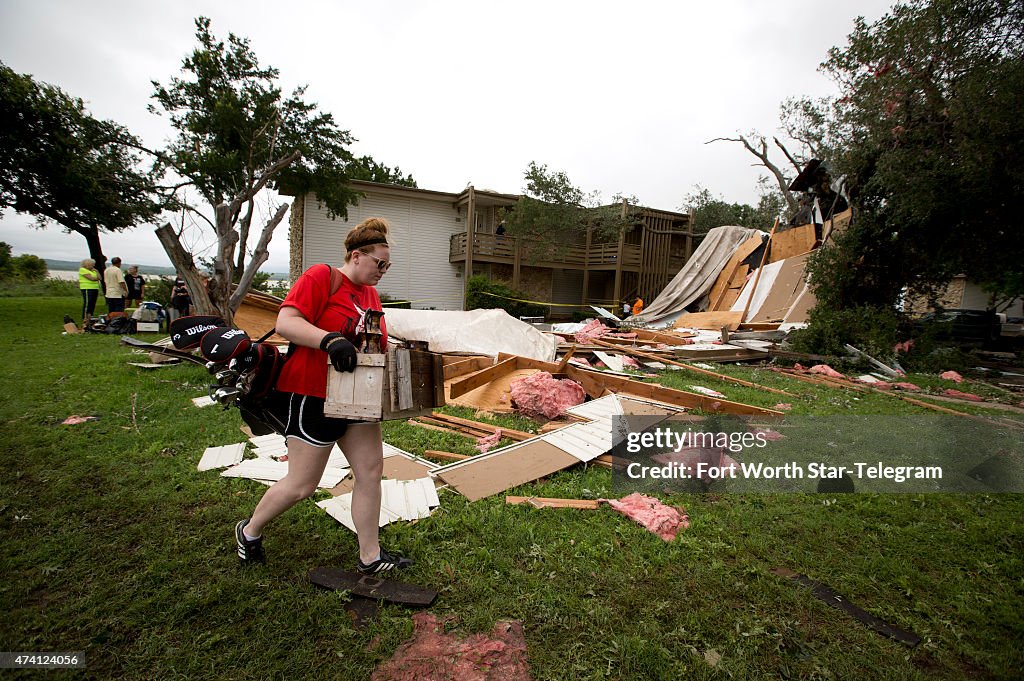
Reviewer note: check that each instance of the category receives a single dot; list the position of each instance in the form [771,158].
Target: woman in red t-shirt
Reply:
[322,321]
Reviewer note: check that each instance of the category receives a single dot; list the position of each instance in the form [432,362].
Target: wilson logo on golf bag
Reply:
[187,332]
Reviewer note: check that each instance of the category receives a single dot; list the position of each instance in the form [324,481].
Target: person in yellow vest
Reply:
[89,283]
[638,306]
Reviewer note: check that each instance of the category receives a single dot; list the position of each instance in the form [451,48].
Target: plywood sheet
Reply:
[506,469]
[796,241]
[787,285]
[727,277]
[709,320]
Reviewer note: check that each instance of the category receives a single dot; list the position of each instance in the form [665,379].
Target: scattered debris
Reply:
[706,391]
[828,596]
[664,521]
[591,330]
[949,392]
[485,442]
[952,376]
[222,457]
[545,395]
[432,654]
[783,406]
[547,502]
[824,370]
[204,401]
[75,420]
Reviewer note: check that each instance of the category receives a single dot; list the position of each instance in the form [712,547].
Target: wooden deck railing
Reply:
[502,248]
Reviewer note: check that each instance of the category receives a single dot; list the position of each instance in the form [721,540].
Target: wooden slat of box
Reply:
[401,384]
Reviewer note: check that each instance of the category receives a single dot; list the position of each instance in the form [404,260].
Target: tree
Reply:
[237,136]
[707,211]
[365,168]
[758,146]
[929,134]
[555,212]
[61,165]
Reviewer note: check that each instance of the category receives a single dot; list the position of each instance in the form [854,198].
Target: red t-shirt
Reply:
[305,372]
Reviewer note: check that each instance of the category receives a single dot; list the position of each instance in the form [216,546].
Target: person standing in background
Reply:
[638,306]
[89,283]
[181,301]
[115,288]
[136,286]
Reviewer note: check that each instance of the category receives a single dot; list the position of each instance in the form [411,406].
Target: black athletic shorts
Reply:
[305,420]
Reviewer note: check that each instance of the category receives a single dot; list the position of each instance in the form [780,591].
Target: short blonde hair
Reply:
[367,234]
[88,263]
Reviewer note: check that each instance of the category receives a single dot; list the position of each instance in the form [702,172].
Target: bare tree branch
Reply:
[788,155]
[259,256]
[762,155]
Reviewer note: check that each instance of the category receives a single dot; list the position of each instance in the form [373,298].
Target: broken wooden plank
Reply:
[466,366]
[725,279]
[480,378]
[447,456]
[548,502]
[565,359]
[721,377]
[709,320]
[511,433]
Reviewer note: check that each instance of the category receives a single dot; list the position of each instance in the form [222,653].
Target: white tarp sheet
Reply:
[696,277]
[486,332]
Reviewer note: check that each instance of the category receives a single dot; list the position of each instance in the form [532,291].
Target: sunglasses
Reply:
[382,265]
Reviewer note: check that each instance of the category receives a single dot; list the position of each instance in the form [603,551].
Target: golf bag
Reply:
[246,370]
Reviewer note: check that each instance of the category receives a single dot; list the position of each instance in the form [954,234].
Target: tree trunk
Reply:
[92,240]
[223,264]
[186,267]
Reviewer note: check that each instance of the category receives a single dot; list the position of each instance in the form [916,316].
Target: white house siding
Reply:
[419,238]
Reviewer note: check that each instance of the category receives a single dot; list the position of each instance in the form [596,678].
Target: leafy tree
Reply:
[555,212]
[708,211]
[26,266]
[237,136]
[365,168]
[929,133]
[63,166]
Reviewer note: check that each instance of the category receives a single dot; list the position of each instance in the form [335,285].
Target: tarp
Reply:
[697,276]
[484,332]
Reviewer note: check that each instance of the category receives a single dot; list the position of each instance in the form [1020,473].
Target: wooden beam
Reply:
[565,359]
[484,377]
[547,502]
[511,433]
[445,456]
[757,277]
[467,366]
[698,370]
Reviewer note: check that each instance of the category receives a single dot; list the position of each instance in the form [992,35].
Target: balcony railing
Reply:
[502,248]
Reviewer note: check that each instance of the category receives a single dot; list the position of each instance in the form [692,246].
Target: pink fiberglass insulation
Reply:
[432,654]
[487,441]
[593,329]
[951,376]
[664,521]
[949,392]
[630,363]
[542,394]
[825,370]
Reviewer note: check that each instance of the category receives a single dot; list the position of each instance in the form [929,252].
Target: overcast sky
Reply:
[620,96]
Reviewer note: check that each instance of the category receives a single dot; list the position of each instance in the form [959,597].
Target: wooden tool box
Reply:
[398,384]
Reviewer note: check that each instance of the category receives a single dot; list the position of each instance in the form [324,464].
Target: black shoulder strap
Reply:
[336,280]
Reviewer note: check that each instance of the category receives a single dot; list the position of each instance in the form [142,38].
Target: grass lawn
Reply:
[115,545]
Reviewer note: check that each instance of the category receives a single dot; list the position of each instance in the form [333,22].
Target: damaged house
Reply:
[434,243]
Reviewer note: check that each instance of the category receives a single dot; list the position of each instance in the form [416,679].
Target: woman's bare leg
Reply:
[364,450]
[306,464]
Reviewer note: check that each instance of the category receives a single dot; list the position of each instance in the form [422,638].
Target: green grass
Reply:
[114,544]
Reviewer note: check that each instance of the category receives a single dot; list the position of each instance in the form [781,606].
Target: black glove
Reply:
[340,350]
